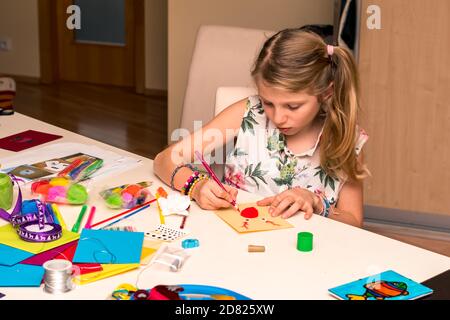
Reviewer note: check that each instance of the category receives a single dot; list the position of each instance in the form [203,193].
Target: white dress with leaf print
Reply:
[262,164]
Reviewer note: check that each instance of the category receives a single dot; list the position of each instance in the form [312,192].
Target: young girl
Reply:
[298,144]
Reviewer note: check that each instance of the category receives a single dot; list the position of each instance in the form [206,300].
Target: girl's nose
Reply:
[279,117]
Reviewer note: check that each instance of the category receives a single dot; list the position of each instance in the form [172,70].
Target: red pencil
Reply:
[122,213]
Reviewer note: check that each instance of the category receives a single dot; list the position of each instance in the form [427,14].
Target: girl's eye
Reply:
[293,107]
[269,104]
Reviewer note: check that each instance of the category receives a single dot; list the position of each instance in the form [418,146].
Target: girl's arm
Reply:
[349,208]
[213,135]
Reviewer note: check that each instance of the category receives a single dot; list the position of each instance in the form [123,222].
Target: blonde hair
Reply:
[298,60]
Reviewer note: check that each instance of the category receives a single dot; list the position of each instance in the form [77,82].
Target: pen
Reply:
[59,216]
[88,224]
[213,175]
[77,224]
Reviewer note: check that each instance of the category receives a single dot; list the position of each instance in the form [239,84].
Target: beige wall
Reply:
[156,44]
[19,22]
[185,17]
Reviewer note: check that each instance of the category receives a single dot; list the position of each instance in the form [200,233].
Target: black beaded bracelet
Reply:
[184,165]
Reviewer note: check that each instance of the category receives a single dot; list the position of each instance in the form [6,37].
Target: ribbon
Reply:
[25,223]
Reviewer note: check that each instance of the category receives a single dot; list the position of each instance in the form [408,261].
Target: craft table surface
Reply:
[341,253]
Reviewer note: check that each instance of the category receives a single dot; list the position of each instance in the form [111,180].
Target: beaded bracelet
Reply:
[326,207]
[186,165]
[200,178]
[187,185]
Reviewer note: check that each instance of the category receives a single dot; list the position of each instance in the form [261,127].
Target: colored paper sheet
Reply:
[109,270]
[10,256]
[84,268]
[109,247]
[26,139]
[21,275]
[148,250]
[40,258]
[261,221]
[9,237]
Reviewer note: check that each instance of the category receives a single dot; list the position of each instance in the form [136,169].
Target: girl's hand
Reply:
[210,196]
[291,201]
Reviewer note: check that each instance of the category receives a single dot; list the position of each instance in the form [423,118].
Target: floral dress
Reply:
[261,162]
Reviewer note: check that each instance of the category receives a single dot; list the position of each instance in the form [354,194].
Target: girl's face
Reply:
[290,112]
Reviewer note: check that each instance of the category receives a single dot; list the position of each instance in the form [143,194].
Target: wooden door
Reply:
[405,81]
[96,61]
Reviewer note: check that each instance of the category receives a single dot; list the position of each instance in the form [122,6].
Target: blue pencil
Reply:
[128,215]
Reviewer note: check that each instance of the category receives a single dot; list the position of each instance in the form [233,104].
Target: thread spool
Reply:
[253,248]
[58,276]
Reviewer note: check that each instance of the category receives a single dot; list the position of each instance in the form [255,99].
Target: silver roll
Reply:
[58,276]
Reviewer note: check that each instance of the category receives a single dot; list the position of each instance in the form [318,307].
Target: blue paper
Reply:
[21,275]
[106,246]
[9,256]
[388,285]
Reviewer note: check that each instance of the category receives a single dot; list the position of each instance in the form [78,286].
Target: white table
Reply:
[341,253]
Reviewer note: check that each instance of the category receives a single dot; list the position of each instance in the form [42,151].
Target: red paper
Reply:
[26,139]
[40,258]
[68,254]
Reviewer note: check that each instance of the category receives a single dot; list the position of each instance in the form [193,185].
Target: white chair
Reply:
[223,56]
[226,96]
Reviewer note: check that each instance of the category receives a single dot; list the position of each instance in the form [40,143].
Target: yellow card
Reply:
[252,218]
[148,249]
[109,270]
[9,237]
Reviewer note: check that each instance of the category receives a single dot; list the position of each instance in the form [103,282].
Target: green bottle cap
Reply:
[304,241]
[6,191]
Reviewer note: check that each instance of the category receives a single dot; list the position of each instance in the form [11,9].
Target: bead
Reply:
[190,243]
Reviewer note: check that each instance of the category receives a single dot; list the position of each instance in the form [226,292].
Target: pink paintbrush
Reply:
[213,175]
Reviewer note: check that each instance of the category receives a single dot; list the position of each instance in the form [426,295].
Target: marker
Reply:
[88,224]
[77,224]
[160,193]
[59,216]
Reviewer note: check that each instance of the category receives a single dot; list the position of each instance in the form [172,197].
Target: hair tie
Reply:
[330,50]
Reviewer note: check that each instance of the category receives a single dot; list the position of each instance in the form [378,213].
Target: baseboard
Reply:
[23,79]
[155,93]
[384,228]
[408,219]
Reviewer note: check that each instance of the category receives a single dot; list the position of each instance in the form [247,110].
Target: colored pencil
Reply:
[122,213]
[213,175]
[127,216]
